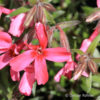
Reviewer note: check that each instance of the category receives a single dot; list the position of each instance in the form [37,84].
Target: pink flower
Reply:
[8,51]
[70,65]
[66,70]
[27,80]
[86,43]
[38,55]
[98,3]
[5,10]
[16,26]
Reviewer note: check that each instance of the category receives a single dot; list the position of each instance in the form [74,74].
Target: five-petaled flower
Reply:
[8,51]
[38,54]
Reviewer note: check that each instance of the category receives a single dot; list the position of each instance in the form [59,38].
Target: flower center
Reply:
[39,50]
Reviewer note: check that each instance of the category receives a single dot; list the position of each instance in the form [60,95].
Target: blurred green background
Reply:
[82,89]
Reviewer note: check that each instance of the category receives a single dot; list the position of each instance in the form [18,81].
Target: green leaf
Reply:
[32,2]
[97,60]
[96,78]
[87,83]
[77,51]
[47,0]
[68,24]
[35,42]
[49,17]
[88,10]
[95,92]
[93,45]
[18,11]
[96,53]
[74,95]
[34,88]
[1,2]
[58,13]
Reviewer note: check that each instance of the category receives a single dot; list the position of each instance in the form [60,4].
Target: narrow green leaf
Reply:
[89,83]
[47,0]
[58,13]
[96,78]
[77,51]
[32,2]
[93,45]
[18,11]
[49,16]
[97,60]
[88,10]
[34,88]
[68,24]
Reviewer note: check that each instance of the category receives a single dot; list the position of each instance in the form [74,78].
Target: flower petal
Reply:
[4,60]
[41,73]
[68,75]
[85,74]
[26,83]
[84,46]
[70,66]
[20,62]
[66,71]
[57,54]
[41,34]
[6,11]
[98,3]
[15,76]
[58,75]
[5,40]
[16,26]
[94,34]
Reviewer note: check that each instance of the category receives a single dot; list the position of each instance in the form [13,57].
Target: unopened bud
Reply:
[29,17]
[92,66]
[93,17]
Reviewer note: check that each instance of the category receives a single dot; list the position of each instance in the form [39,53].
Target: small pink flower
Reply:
[16,26]
[8,51]
[70,65]
[66,70]
[98,3]
[38,55]
[5,10]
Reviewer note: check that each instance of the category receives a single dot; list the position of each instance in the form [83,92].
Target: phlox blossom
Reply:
[37,55]
[8,51]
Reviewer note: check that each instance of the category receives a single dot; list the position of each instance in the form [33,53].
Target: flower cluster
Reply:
[22,55]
